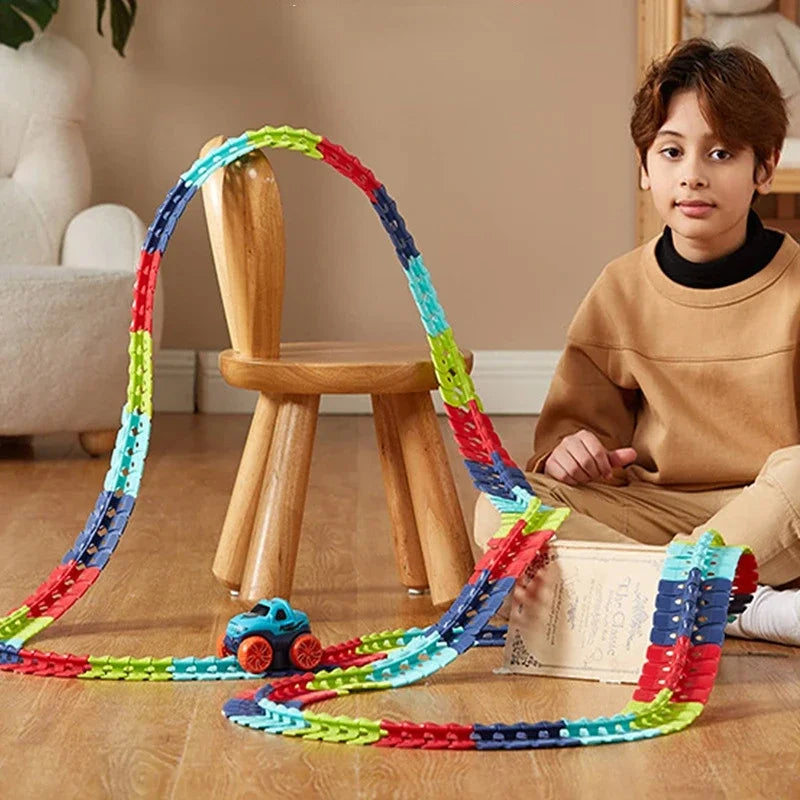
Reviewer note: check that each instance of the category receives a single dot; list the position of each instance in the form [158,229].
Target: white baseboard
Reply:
[174,376]
[507,381]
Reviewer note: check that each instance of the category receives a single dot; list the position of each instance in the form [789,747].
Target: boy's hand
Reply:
[581,458]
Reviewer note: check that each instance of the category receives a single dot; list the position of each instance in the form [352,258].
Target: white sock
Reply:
[772,615]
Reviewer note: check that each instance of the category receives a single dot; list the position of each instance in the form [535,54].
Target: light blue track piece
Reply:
[128,455]
[507,506]
[584,729]
[392,666]
[423,669]
[431,311]
[226,153]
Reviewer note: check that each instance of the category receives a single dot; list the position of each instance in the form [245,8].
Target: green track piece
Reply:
[455,384]
[302,140]
[140,380]
[326,728]
[666,717]
[386,640]
[21,626]
[14,622]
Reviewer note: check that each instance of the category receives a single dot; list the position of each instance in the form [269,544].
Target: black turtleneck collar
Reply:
[758,250]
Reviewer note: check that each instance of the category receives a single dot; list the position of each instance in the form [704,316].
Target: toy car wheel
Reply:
[255,654]
[306,651]
[222,651]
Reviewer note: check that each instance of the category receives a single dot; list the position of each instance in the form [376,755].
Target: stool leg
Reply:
[442,533]
[269,569]
[407,549]
[234,540]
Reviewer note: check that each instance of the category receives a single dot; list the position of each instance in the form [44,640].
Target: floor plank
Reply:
[71,738]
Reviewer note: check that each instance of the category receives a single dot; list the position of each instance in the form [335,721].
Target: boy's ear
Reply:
[644,179]
[766,172]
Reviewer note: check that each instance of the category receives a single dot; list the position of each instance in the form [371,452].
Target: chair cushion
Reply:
[63,348]
[44,167]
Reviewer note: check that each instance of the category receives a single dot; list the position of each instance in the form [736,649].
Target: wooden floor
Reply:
[70,738]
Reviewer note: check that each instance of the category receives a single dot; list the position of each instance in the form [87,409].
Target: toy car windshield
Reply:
[258,610]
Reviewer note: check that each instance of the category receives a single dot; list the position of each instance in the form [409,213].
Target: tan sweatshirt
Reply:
[704,383]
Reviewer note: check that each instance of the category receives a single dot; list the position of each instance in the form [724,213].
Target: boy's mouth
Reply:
[695,208]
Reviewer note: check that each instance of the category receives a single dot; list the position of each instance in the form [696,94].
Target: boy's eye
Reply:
[718,154]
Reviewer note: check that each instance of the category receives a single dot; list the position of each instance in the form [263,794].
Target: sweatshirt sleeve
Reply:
[589,389]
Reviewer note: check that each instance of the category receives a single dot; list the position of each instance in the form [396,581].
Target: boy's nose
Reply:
[694,181]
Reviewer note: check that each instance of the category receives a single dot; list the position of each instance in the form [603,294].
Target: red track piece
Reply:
[745,581]
[350,167]
[65,584]
[426,736]
[690,675]
[315,697]
[508,557]
[290,687]
[143,289]
[37,662]
[336,652]
[475,435]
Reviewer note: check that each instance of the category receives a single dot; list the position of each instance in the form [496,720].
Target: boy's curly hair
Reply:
[737,93]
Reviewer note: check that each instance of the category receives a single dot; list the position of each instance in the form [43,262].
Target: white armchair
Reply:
[66,271]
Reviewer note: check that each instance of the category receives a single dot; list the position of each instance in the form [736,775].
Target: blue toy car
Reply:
[271,636]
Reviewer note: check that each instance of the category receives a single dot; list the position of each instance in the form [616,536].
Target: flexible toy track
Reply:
[701,584]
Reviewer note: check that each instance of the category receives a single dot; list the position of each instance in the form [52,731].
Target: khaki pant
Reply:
[764,515]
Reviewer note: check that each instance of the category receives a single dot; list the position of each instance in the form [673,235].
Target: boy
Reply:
[674,407]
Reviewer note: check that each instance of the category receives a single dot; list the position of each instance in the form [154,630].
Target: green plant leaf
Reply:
[123,12]
[15,28]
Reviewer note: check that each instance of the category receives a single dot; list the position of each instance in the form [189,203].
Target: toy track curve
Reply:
[701,583]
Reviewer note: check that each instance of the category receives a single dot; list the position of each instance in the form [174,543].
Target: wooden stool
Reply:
[258,545]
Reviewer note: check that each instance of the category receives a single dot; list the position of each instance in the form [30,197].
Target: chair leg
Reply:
[440,522]
[234,540]
[97,443]
[407,548]
[269,570]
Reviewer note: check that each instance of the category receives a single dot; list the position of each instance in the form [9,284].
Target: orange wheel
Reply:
[222,651]
[255,654]
[306,651]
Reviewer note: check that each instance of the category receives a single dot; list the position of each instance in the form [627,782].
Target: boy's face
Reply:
[701,189]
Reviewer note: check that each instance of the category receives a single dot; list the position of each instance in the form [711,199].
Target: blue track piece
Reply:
[512,476]
[492,636]
[9,654]
[168,214]
[487,479]
[467,598]
[110,516]
[488,608]
[93,523]
[395,226]
[239,707]
[670,626]
[522,736]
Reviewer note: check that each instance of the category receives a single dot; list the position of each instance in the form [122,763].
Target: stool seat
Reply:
[335,368]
